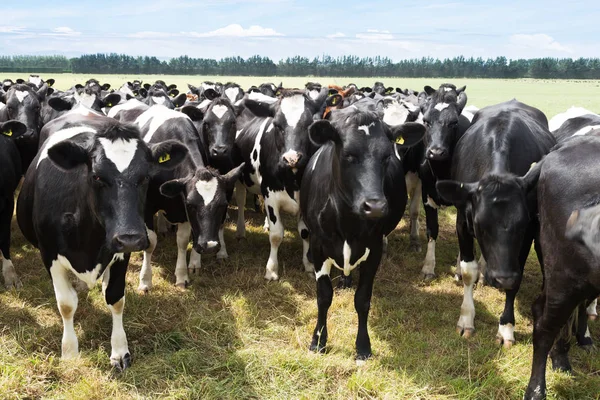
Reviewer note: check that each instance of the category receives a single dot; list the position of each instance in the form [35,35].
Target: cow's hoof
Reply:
[143,289]
[239,238]
[467,333]
[222,256]
[458,278]
[182,285]
[13,283]
[362,357]
[506,343]
[415,247]
[535,394]
[586,343]
[119,363]
[427,277]
[592,317]
[561,364]
[317,348]
[271,276]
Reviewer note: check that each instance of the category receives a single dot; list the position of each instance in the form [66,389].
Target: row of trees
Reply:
[457,67]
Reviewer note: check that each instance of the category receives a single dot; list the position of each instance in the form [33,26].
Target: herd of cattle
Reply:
[98,167]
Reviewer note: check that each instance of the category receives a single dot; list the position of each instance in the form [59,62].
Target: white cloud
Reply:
[11,29]
[336,35]
[539,41]
[151,35]
[236,30]
[62,31]
[374,34]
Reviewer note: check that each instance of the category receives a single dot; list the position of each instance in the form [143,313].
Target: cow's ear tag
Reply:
[164,158]
[399,140]
[334,101]
[8,132]
[532,165]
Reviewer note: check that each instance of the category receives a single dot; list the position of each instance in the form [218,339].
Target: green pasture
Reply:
[232,335]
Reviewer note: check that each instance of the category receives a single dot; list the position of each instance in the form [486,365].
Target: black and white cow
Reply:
[233,92]
[192,195]
[572,112]
[38,82]
[568,199]
[24,104]
[495,203]
[577,126]
[313,89]
[10,175]
[352,195]
[275,149]
[81,205]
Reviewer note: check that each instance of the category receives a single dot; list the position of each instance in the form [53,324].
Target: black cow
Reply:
[353,194]
[495,203]
[24,104]
[275,148]
[10,175]
[81,205]
[567,189]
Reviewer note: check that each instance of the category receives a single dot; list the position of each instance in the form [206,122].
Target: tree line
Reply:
[325,65]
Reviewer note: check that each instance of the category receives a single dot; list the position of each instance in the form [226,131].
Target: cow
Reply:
[352,195]
[275,149]
[268,89]
[233,92]
[577,126]
[38,82]
[24,104]
[81,205]
[206,85]
[559,119]
[568,214]
[192,196]
[10,175]
[380,89]
[496,202]
[313,89]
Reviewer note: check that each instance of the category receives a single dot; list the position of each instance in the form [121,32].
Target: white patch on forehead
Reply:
[157,115]
[232,93]
[159,99]
[21,94]
[128,105]
[292,108]
[257,96]
[441,106]
[85,99]
[120,152]
[59,136]
[395,114]
[207,189]
[365,128]
[205,103]
[313,94]
[36,80]
[219,110]
[586,130]
[447,89]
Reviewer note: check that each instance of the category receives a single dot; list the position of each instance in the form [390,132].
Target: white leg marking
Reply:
[118,339]
[482,264]
[591,309]
[66,299]
[413,184]
[507,334]
[11,279]
[276,232]
[183,238]
[222,254]
[308,266]
[467,309]
[195,262]
[429,265]
[266,224]
[240,198]
[146,271]
[161,223]
[326,269]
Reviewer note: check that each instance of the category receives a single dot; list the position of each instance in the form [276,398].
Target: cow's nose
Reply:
[209,247]
[292,158]
[374,208]
[436,153]
[219,151]
[130,243]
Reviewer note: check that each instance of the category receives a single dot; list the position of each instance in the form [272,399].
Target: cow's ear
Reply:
[111,100]
[407,134]
[233,176]
[78,86]
[106,86]
[142,92]
[193,112]
[171,87]
[173,92]
[50,82]
[429,90]
[334,100]
[461,102]
[179,100]
[210,94]
[168,154]
[2,96]
[20,81]
[457,193]
[42,92]
[173,188]
[259,108]
[12,129]
[73,152]
[147,86]
[60,104]
[193,89]
[461,89]
[389,90]
[530,180]
[321,132]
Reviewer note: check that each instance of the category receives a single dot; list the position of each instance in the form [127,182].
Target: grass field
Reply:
[232,335]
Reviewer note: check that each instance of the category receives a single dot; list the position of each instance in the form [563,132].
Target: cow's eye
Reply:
[351,158]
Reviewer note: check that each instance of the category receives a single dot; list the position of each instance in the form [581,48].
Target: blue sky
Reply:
[282,28]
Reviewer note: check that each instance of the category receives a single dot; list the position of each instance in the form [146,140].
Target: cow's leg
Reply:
[591,310]
[362,304]
[414,189]
[550,315]
[195,262]
[162,226]
[240,199]
[266,224]
[11,279]
[183,238]
[324,299]
[582,332]
[431,219]
[222,253]
[146,271]
[468,268]
[113,286]
[304,234]
[481,265]
[276,232]
[66,299]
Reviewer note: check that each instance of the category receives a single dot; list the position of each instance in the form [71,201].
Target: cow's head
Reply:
[170,99]
[380,89]
[441,109]
[118,165]
[292,115]
[362,151]
[233,92]
[498,214]
[396,112]
[205,198]
[269,89]
[313,89]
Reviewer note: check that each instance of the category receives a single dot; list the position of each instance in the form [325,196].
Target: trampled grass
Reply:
[232,335]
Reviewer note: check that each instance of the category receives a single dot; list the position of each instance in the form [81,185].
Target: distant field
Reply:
[232,335]
[550,96]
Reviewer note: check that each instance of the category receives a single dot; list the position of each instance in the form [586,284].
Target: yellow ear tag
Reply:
[532,165]
[109,105]
[399,140]
[8,133]
[164,158]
